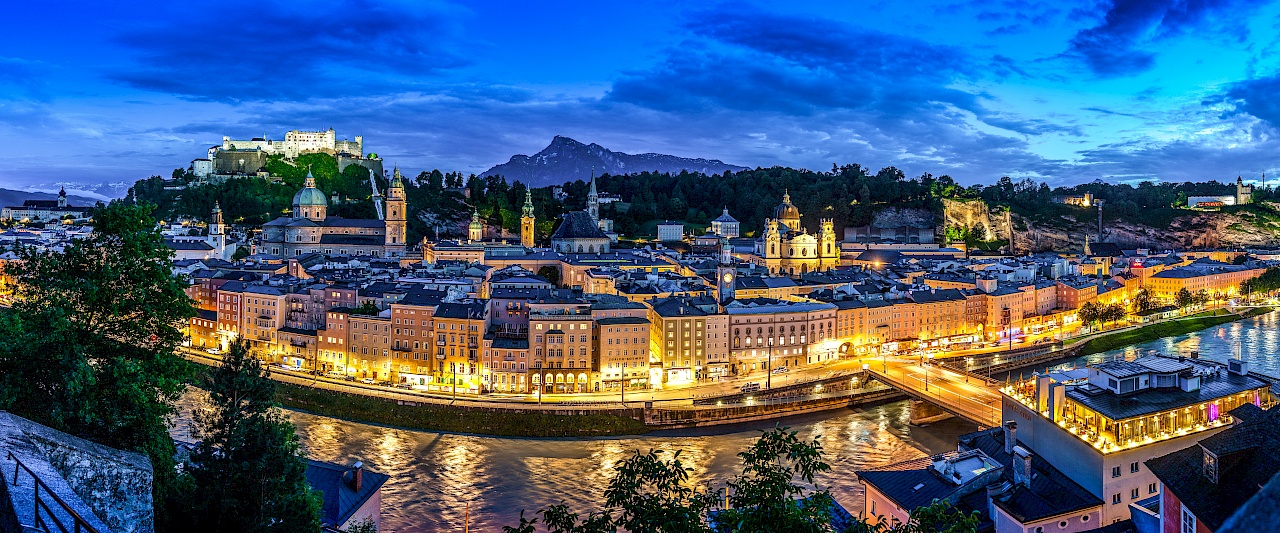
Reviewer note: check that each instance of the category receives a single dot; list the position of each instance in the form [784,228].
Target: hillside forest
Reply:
[849,194]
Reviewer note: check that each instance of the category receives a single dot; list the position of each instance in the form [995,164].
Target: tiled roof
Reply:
[578,225]
[1149,401]
[1246,462]
[1050,493]
[339,501]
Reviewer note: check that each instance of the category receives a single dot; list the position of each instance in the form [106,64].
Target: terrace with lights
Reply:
[1120,405]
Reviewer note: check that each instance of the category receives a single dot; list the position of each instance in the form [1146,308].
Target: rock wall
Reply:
[1192,230]
[115,484]
[968,214]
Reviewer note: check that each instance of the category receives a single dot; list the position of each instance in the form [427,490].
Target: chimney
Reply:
[357,476]
[1010,435]
[1021,466]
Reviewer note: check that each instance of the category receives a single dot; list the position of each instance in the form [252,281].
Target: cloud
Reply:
[1255,97]
[1120,44]
[273,52]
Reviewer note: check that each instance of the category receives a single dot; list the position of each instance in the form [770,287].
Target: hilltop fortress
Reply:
[249,156]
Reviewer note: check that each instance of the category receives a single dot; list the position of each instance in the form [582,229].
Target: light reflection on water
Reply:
[1256,340]
[434,476]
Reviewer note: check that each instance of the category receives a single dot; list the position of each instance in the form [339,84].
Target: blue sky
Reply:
[95,95]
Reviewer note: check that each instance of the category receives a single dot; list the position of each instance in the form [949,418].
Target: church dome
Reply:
[310,196]
[785,210]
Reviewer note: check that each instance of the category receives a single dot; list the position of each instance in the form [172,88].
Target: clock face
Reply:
[728,277]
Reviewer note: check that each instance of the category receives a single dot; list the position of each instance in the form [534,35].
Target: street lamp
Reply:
[926,373]
[768,367]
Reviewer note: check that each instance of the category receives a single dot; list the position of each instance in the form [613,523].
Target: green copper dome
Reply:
[309,196]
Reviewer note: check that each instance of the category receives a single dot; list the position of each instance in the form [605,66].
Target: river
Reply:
[435,476]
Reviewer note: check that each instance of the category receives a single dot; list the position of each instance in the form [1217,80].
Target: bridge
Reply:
[973,398]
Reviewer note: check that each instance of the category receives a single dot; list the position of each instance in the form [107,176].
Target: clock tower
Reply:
[726,273]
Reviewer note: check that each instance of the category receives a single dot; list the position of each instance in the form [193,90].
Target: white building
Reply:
[669,231]
[725,225]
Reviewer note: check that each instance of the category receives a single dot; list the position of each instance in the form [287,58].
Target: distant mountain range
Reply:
[567,160]
[10,197]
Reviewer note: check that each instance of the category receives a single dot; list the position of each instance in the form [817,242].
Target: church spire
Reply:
[593,198]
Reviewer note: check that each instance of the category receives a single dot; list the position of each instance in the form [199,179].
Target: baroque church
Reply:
[309,229]
[786,247]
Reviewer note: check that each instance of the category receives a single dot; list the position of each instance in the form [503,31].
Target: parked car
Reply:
[781,370]
[214,351]
[405,386]
[750,387]
[367,381]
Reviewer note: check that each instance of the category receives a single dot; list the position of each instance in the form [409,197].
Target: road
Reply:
[972,398]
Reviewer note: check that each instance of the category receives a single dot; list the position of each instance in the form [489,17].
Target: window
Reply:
[1062,524]
[1115,471]
[1084,518]
[1115,498]
[1188,521]
[1133,494]
[1133,467]
[1151,489]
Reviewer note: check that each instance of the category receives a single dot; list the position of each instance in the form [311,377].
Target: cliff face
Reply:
[1192,230]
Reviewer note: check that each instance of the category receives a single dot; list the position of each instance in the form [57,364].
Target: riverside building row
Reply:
[625,318]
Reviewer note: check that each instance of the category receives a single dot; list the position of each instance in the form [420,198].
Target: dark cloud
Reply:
[1119,44]
[265,51]
[1255,97]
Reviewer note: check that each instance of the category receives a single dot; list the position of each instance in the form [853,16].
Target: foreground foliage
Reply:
[248,472]
[775,492]
[88,347]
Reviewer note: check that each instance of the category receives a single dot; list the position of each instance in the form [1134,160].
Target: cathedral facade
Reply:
[786,247]
[309,229]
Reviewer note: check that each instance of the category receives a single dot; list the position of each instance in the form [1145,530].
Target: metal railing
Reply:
[79,523]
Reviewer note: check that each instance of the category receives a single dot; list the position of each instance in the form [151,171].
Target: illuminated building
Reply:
[1098,424]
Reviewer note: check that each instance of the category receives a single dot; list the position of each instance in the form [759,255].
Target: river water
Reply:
[435,476]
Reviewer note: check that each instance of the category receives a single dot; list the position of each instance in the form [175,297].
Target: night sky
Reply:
[97,93]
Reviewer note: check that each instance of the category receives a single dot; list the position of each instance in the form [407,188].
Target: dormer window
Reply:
[1211,467]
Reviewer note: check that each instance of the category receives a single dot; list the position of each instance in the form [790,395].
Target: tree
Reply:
[1183,299]
[551,274]
[937,517]
[248,472]
[773,493]
[1089,313]
[366,308]
[240,253]
[362,526]
[1142,301]
[88,347]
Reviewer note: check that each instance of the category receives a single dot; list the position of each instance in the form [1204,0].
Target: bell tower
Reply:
[218,231]
[396,216]
[475,231]
[726,272]
[526,220]
[827,248]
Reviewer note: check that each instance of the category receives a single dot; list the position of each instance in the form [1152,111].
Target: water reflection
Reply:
[1256,340]
[435,476]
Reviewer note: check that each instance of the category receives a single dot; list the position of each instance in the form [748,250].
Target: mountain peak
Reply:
[567,159]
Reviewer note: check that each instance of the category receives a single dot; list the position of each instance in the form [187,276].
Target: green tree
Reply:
[240,253]
[89,345]
[938,517]
[1142,301]
[551,274]
[1184,299]
[366,308]
[1089,313]
[773,493]
[248,472]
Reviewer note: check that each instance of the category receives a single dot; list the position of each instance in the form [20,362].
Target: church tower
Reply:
[726,272]
[475,231]
[62,198]
[218,232]
[827,247]
[772,239]
[395,221]
[593,199]
[526,220]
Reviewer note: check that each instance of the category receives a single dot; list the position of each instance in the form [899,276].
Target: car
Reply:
[214,351]
[367,381]
[750,387]
[405,386]
[349,378]
[283,366]
[781,370]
